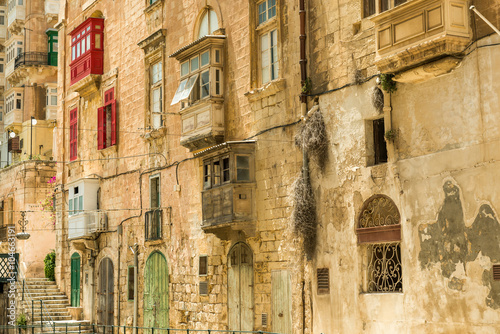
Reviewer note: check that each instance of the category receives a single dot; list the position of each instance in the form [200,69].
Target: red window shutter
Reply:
[113,122]
[73,134]
[101,128]
[109,96]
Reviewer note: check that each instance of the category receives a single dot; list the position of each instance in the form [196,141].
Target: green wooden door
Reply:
[281,295]
[240,288]
[156,291]
[75,280]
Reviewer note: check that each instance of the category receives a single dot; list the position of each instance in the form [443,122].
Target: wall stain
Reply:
[449,242]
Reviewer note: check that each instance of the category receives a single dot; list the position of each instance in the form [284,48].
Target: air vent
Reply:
[496,272]
[323,281]
[264,319]
[203,288]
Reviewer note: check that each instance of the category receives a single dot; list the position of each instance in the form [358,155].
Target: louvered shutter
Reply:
[101,128]
[113,122]
[73,134]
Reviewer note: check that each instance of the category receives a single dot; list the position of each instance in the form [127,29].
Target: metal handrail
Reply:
[31,301]
[132,329]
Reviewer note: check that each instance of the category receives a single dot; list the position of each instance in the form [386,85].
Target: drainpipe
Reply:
[135,250]
[303,109]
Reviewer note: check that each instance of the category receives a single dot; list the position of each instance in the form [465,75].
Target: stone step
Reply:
[55,318]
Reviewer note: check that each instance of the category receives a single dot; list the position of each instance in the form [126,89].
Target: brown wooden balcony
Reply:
[420,31]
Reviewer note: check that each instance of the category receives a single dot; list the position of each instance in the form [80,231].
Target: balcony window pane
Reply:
[80,203]
[225,170]
[70,206]
[206,175]
[53,100]
[242,168]
[97,41]
[194,64]
[205,84]
[217,82]
[88,41]
[384,5]
[216,172]
[78,50]
[184,69]
[205,58]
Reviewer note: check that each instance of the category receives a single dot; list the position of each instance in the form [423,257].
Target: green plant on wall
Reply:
[390,135]
[387,83]
[50,264]
[21,320]
[306,87]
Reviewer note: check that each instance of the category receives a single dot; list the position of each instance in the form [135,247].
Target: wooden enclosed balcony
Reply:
[419,31]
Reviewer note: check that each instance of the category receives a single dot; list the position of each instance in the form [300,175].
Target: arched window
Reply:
[379,227]
[208,24]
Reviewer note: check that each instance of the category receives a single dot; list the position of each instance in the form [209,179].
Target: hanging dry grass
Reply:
[304,214]
[378,99]
[313,139]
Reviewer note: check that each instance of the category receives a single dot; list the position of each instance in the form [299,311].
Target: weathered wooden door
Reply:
[75,280]
[105,294]
[156,291]
[240,288]
[281,298]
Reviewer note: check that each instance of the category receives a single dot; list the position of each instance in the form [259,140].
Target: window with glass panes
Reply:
[87,49]
[156,91]
[51,97]
[201,77]
[208,24]
[75,201]
[268,40]
[217,170]
[371,7]
[106,121]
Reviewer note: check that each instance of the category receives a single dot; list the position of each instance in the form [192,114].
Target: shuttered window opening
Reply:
[496,272]
[264,319]
[323,277]
[130,288]
[203,288]
[106,121]
[203,269]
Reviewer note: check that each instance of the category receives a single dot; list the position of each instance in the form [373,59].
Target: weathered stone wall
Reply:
[26,183]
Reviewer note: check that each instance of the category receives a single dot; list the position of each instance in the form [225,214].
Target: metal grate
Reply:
[203,288]
[264,319]
[323,279]
[384,268]
[496,272]
[379,210]
[153,224]
[8,267]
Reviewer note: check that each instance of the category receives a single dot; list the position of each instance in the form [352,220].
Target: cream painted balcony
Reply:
[13,117]
[420,31]
[15,19]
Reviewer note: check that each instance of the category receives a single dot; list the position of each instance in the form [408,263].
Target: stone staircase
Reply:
[49,308]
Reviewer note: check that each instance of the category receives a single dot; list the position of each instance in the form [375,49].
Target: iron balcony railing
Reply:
[31,59]
[153,224]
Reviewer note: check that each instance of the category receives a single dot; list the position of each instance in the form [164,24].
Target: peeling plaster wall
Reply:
[441,172]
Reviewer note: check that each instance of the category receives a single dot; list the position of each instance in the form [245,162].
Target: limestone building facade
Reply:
[28,106]
[177,198]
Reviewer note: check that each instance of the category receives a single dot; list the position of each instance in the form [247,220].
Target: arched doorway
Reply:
[105,293]
[240,287]
[156,291]
[75,280]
